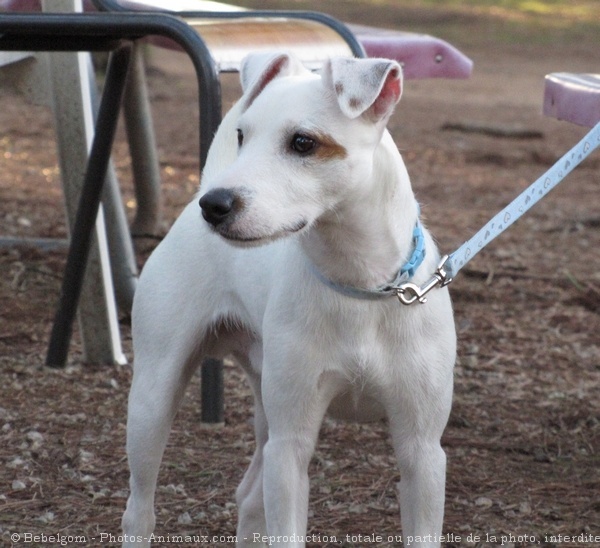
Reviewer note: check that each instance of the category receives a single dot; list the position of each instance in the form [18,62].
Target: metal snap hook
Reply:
[409,292]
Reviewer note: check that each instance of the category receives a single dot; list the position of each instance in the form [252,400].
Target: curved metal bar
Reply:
[100,31]
[333,23]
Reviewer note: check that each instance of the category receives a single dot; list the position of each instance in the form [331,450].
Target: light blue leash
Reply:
[450,265]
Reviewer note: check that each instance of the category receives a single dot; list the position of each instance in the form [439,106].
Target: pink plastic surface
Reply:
[573,97]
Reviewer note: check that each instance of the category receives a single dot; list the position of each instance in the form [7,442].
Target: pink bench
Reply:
[573,97]
[421,55]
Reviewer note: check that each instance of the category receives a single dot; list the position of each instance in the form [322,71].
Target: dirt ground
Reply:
[523,442]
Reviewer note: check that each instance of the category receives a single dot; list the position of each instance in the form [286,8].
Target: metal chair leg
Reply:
[120,247]
[89,203]
[212,392]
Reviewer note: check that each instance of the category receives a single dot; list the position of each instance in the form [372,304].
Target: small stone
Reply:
[18,485]
[483,502]
[47,517]
[184,519]
[525,508]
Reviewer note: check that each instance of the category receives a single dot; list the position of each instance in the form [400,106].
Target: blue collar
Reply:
[390,289]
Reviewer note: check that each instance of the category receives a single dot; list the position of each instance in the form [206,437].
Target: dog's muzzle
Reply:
[219,205]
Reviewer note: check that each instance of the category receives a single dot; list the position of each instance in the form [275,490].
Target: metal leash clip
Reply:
[409,292]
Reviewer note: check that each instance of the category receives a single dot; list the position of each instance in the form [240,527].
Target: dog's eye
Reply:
[303,144]
[240,135]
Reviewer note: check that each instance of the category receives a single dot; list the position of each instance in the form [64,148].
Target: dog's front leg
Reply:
[421,493]
[296,397]
[422,463]
[165,358]
[285,482]
[152,406]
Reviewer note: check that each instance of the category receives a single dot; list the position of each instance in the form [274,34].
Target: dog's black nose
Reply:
[217,205]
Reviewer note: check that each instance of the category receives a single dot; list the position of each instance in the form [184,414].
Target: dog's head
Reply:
[296,144]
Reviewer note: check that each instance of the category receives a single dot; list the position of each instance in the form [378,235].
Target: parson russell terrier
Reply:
[303,196]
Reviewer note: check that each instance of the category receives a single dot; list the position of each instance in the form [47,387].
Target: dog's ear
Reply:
[365,86]
[258,69]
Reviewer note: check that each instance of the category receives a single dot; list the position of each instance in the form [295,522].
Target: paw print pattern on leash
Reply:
[525,201]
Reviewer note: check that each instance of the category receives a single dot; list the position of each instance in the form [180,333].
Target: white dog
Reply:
[306,202]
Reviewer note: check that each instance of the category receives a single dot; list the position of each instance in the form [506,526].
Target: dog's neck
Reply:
[365,241]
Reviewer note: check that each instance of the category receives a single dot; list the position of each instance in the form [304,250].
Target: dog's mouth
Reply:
[244,239]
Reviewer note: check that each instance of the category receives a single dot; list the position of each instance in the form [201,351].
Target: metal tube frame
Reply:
[99,32]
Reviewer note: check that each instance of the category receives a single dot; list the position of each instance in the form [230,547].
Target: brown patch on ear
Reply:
[329,148]
[355,102]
